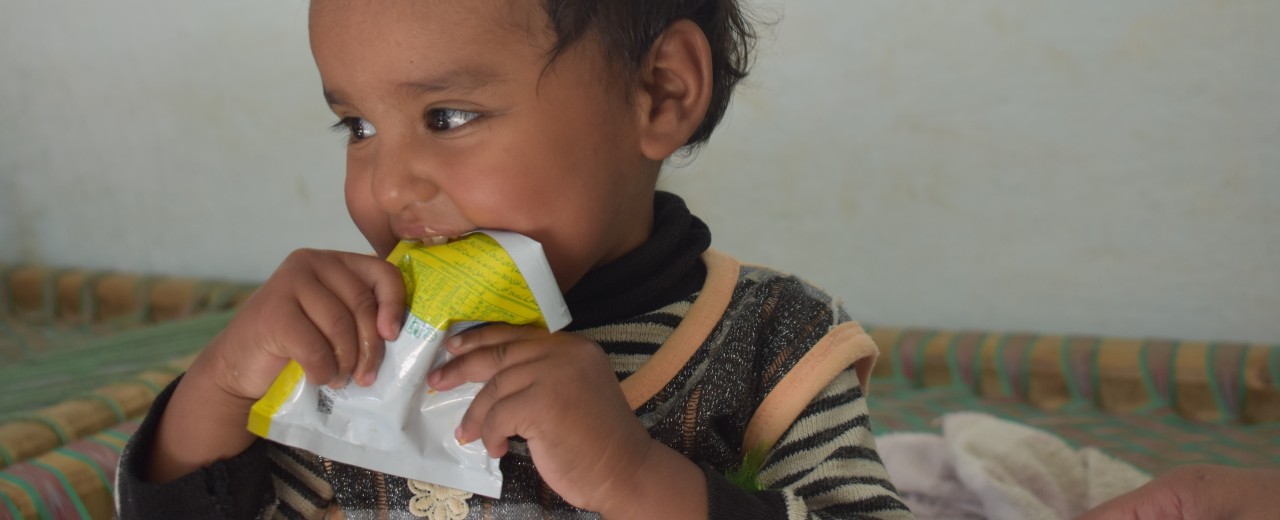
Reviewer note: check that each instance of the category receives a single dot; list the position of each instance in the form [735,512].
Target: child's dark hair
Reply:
[628,28]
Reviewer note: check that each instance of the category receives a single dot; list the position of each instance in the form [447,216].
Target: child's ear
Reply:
[674,90]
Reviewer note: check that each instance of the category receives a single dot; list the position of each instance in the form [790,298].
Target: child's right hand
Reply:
[328,310]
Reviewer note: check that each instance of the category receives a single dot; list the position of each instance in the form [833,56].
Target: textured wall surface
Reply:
[1059,167]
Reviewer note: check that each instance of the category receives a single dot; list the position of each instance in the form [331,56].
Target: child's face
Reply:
[458,123]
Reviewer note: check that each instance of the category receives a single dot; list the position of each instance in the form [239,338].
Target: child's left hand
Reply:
[559,392]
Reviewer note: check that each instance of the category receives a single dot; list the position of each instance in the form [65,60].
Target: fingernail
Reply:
[453,343]
[457,435]
[433,379]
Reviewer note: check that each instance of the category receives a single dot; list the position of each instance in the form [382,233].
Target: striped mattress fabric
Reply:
[70,481]
[82,355]
[1154,403]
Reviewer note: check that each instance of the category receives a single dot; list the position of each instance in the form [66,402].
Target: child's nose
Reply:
[401,177]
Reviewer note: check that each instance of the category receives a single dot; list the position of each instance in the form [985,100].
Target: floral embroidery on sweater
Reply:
[437,502]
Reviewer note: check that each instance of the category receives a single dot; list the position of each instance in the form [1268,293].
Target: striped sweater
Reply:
[755,361]
[719,361]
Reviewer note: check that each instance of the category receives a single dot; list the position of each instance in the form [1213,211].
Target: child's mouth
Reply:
[436,240]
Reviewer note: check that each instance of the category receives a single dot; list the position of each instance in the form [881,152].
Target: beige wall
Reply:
[1061,167]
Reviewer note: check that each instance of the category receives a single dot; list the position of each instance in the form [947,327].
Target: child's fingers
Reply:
[370,358]
[491,335]
[358,289]
[308,346]
[388,290]
[500,386]
[506,418]
[329,315]
[480,365]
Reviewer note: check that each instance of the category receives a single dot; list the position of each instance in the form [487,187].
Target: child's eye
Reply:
[357,129]
[448,119]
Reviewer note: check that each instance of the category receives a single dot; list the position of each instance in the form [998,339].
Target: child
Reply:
[552,120]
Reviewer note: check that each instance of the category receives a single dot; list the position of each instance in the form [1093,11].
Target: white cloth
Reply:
[985,467]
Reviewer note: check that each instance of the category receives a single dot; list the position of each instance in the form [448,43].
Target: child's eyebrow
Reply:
[331,98]
[460,79]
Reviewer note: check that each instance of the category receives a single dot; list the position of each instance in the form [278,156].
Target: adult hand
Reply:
[1199,492]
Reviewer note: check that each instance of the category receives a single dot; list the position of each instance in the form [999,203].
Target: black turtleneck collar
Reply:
[665,269]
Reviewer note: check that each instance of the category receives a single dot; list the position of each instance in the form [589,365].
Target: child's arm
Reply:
[330,311]
[238,487]
[827,463]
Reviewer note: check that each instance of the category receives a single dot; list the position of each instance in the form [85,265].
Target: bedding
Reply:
[83,353]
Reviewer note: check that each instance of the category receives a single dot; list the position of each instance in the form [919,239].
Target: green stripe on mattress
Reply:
[70,371]
[1068,371]
[1211,372]
[109,443]
[953,361]
[1156,399]
[117,435]
[1173,374]
[41,510]
[1094,379]
[917,379]
[154,388]
[66,486]
[1275,367]
[1242,384]
[109,402]
[1005,386]
[899,371]
[12,507]
[82,458]
[63,436]
[1024,367]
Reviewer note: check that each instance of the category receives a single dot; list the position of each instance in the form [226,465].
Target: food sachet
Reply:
[399,425]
